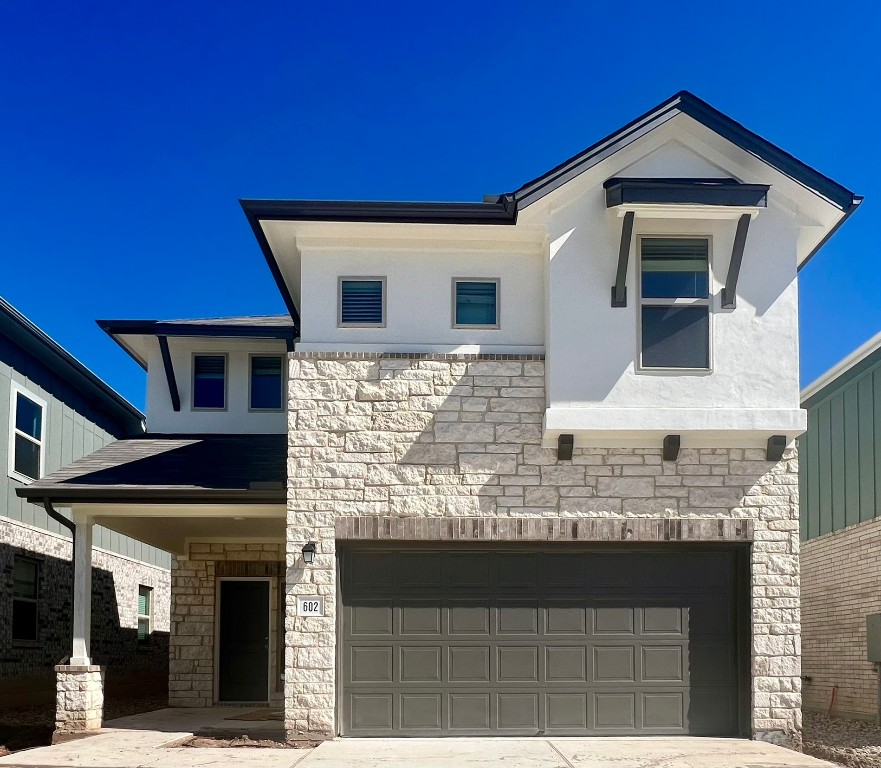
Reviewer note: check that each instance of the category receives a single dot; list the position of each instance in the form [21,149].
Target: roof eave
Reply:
[60,494]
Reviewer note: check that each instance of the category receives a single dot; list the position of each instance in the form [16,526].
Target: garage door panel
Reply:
[486,646]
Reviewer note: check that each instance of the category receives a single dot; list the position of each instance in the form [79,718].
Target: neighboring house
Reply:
[53,411]
[840,478]
[518,467]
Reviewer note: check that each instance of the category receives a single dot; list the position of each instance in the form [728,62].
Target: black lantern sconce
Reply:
[308,553]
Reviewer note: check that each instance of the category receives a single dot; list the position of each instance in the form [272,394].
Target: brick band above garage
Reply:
[655,529]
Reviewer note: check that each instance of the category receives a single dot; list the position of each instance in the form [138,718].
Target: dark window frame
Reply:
[282,381]
[225,405]
[652,302]
[19,599]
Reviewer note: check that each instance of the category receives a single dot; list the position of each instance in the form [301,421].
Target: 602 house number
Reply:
[310,606]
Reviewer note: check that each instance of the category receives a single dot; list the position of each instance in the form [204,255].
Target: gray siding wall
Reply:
[840,454]
[73,429]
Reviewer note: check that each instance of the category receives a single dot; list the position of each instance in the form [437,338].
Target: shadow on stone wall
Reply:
[27,667]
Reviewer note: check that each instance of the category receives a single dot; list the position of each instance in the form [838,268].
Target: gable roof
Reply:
[503,209]
[863,358]
[246,326]
[22,332]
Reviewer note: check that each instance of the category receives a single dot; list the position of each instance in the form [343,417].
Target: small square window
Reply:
[25,592]
[145,614]
[209,381]
[476,303]
[266,382]
[27,424]
[362,302]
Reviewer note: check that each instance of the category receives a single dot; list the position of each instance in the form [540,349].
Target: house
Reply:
[517,467]
[840,458]
[53,411]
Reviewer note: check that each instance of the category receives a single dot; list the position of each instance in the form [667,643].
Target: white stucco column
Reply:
[82,590]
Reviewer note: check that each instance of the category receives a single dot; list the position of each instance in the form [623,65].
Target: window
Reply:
[26,435]
[145,608]
[25,576]
[209,381]
[475,303]
[675,302]
[362,302]
[266,383]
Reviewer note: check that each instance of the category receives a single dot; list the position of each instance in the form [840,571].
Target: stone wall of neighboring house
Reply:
[841,585]
[28,666]
[413,438]
[194,588]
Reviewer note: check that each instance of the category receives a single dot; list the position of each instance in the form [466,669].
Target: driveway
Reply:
[143,741]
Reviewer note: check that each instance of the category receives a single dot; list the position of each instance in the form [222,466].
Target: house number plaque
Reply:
[311,605]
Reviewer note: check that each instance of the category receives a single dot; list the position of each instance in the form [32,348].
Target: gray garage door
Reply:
[498,642]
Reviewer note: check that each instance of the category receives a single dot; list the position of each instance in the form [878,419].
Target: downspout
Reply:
[62,520]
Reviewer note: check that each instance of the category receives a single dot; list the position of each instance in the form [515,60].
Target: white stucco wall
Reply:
[236,418]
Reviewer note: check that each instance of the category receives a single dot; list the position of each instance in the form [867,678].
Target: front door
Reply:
[244,641]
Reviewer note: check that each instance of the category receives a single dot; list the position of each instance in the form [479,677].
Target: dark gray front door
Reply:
[559,642]
[244,641]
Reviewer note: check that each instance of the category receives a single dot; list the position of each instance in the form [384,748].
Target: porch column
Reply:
[79,700]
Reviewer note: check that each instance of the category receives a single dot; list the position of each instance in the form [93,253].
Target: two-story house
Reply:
[54,410]
[517,467]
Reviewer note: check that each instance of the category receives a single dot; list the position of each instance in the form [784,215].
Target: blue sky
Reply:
[130,130]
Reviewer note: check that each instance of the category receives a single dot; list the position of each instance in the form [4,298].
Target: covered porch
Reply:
[217,503]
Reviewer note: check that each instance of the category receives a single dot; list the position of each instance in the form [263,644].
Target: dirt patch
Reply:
[851,743]
[223,742]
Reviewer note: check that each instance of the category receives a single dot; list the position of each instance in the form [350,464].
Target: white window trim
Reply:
[149,615]
[193,406]
[339,300]
[15,390]
[708,302]
[283,385]
[480,326]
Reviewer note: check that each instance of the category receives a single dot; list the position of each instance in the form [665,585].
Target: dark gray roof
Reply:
[21,331]
[166,468]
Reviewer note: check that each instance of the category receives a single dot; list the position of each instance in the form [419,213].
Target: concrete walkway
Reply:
[141,741]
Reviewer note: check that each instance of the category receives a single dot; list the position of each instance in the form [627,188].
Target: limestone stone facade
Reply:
[80,699]
[194,581]
[841,585]
[452,444]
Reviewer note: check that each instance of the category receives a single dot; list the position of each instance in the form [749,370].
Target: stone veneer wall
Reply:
[841,584]
[447,436]
[115,581]
[193,596]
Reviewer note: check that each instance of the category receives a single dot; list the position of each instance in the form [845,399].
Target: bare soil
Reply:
[245,741]
[28,727]
[851,743]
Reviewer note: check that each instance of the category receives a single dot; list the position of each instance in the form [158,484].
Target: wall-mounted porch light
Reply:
[308,552]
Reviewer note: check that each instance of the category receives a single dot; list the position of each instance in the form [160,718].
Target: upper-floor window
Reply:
[26,436]
[145,614]
[362,302]
[209,382]
[475,303]
[266,382]
[675,302]
[25,592]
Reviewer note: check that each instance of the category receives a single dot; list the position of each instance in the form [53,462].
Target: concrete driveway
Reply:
[143,741]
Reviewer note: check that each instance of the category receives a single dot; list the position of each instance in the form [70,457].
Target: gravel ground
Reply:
[852,743]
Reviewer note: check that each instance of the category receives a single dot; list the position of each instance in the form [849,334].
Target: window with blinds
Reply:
[674,302]
[145,608]
[475,303]
[362,301]
[266,382]
[209,381]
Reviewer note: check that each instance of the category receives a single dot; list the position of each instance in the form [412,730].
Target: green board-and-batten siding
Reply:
[73,429]
[840,454]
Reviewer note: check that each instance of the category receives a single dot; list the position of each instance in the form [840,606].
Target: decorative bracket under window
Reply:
[619,290]
[729,292]
[169,372]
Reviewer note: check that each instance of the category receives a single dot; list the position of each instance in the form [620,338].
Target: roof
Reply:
[169,468]
[862,358]
[503,209]
[247,326]
[22,332]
